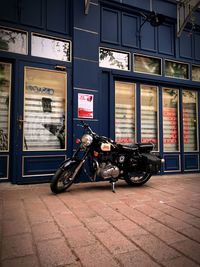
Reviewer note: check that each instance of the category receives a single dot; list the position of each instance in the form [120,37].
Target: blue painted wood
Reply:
[166,39]
[42,164]
[32,13]
[129,30]
[85,73]
[191,162]
[145,4]
[148,38]
[87,44]
[3,167]
[9,10]
[89,21]
[196,47]
[58,16]
[110,28]
[186,45]
[171,163]
[166,8]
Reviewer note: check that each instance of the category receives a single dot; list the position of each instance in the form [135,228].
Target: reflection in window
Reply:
[196,73]
[146,64]
[190,120]
[52,48]
[113,59]
[149,115]
[124,112]
[14,41]
[5,85]
[44,109]
[176,69]
[170,120]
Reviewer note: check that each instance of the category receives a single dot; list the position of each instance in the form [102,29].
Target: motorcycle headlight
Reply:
[86,140]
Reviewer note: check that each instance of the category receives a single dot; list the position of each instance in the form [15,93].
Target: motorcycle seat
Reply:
[145,146]
[130,148]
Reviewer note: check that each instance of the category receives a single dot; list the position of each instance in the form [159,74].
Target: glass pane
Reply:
[190,120]
[196,73]
[52,48]
[113,59]
[176,70]
[44,109]
[149,116]
[145,64]
[170,120]
[124,112]
[13,41]
[5,85]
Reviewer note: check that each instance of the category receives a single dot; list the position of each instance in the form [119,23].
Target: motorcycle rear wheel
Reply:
[137,179]
[63,179]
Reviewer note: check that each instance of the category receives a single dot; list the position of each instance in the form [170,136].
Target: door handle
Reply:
[20,122]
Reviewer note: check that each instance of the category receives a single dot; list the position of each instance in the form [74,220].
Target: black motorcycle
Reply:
[99,156]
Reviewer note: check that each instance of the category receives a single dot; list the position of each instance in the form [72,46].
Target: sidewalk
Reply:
[154,225]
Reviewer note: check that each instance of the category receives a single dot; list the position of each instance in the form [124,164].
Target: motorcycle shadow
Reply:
[98,186]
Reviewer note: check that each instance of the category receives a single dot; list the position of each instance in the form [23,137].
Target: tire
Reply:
[137,179]
[61,180]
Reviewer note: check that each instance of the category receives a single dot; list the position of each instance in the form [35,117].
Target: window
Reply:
[170,120]
[5,85]
[124,112]
[190,120]
[149,115]
[176,69]
[44,109]
[48,47]
[146,64]
[114,59]
[196,73]
[15,41]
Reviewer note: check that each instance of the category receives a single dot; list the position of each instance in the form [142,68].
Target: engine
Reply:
[107,170]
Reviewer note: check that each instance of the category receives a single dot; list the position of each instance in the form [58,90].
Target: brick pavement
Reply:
[154,225]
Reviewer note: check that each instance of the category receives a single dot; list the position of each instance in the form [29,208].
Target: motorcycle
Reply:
[99,156]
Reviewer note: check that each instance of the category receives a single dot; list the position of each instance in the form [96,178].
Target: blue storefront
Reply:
[117,64]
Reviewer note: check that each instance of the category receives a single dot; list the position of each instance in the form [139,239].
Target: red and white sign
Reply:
[85,106]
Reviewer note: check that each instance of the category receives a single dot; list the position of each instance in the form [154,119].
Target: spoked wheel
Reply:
[63,179]
[137,179]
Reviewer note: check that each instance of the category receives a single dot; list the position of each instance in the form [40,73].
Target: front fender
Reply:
[65,164]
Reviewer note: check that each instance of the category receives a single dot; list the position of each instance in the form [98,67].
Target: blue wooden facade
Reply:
[113,25]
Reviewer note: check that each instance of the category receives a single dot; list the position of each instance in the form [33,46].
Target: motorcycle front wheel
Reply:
[137,179]
[63,179]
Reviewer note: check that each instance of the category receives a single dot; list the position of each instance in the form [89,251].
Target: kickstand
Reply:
[113,186]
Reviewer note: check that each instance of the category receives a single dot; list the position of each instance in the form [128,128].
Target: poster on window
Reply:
[85,106]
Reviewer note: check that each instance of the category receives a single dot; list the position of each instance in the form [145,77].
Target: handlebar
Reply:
[86,126]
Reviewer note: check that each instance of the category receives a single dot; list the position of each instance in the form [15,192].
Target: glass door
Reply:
[5,96]
[41,122]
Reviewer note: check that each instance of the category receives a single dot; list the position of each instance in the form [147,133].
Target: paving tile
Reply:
[136,258]
[96,255]
[115,241]
[28,261]
[37,212]
[189,248]
[79,237]
[67,220]
[156,248]
[45,231]
[192,233]
[181,261]
[55,205]
[129,228]
[17,246]
[165,233]
[54,253]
